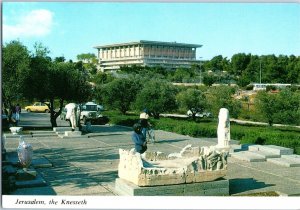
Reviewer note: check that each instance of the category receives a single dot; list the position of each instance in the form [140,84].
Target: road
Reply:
[38,120]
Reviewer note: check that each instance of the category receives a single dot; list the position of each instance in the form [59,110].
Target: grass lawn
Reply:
[246,134]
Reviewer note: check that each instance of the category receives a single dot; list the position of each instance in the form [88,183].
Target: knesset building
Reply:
[170,55]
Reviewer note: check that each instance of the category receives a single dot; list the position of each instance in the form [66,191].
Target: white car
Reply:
[91,111]
[198,114]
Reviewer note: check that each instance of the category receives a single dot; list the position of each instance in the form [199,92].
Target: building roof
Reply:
[146,42]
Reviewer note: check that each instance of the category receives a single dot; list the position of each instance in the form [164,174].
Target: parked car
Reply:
[90,111]
[38,107]
[199,114]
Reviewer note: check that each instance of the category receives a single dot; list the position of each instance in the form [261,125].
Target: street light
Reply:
[200,70]
[260,70]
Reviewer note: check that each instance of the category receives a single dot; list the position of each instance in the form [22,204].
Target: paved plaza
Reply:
[88,165]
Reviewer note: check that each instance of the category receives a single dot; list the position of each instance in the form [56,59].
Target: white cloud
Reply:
[34,24]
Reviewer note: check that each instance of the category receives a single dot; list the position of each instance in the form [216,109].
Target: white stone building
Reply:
[147,53]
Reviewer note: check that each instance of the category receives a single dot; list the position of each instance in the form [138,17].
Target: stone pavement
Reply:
[88,165]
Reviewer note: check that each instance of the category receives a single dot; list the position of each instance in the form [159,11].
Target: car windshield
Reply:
[91,108]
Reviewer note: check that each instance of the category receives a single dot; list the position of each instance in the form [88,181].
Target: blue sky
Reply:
[72,28]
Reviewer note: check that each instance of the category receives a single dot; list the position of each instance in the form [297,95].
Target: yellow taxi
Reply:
[38,107]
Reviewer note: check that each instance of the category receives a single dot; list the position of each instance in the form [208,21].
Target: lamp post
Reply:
[200,70]
[260,70]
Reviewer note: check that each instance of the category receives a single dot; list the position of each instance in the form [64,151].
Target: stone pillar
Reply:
[223,129]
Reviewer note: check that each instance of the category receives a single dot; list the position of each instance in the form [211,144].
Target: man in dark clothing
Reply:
[138,138]
[144,121]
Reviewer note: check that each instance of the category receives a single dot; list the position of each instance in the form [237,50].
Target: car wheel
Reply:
[28,110]
[47,110]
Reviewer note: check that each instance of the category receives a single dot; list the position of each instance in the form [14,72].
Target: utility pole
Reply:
[200,70]
[260,70]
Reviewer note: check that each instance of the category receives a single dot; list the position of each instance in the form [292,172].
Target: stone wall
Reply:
[192,164]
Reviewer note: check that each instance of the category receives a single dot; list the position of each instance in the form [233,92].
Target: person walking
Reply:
[18,111]
[12,115]
[138,139]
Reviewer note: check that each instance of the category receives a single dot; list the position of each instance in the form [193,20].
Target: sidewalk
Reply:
[88,165]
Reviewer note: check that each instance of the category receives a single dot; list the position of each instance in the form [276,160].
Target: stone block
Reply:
[266,154]
[63,129]
[205,176]
[171,171]
[43,134]
[235,148]
[160,176]
[9,170]
[271,149]
[26,174]
[73,133]
[248,156]
[214,188]
[287,162]
[16,130]
[37,182]
[293,157]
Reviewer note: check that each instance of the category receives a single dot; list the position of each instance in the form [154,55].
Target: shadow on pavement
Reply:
[170,140]
[89,135]
[246,184]
[108,176]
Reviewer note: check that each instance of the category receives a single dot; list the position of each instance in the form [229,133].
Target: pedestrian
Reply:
[138,138]
[71,115]
[12,115]
[18,111]
[144,116]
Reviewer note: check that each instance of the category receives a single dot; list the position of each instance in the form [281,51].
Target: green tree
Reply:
[251,73]
[120,93]
[293,70]
[288,107]
[191,99]
[222,97]
[102,78]
[40,50]
[180,75]
[89,61]
[209,79]
[87,57]
[49,81]
[269,67]
[216,63]
[266,104]
[239,63]
[59,59]
[15,60]
[158,97]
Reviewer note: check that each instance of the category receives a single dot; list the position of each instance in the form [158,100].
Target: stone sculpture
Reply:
[25,152]
[72,114]
[192,164]
[223,129]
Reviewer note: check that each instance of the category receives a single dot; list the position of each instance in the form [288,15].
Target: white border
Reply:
[155,202]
